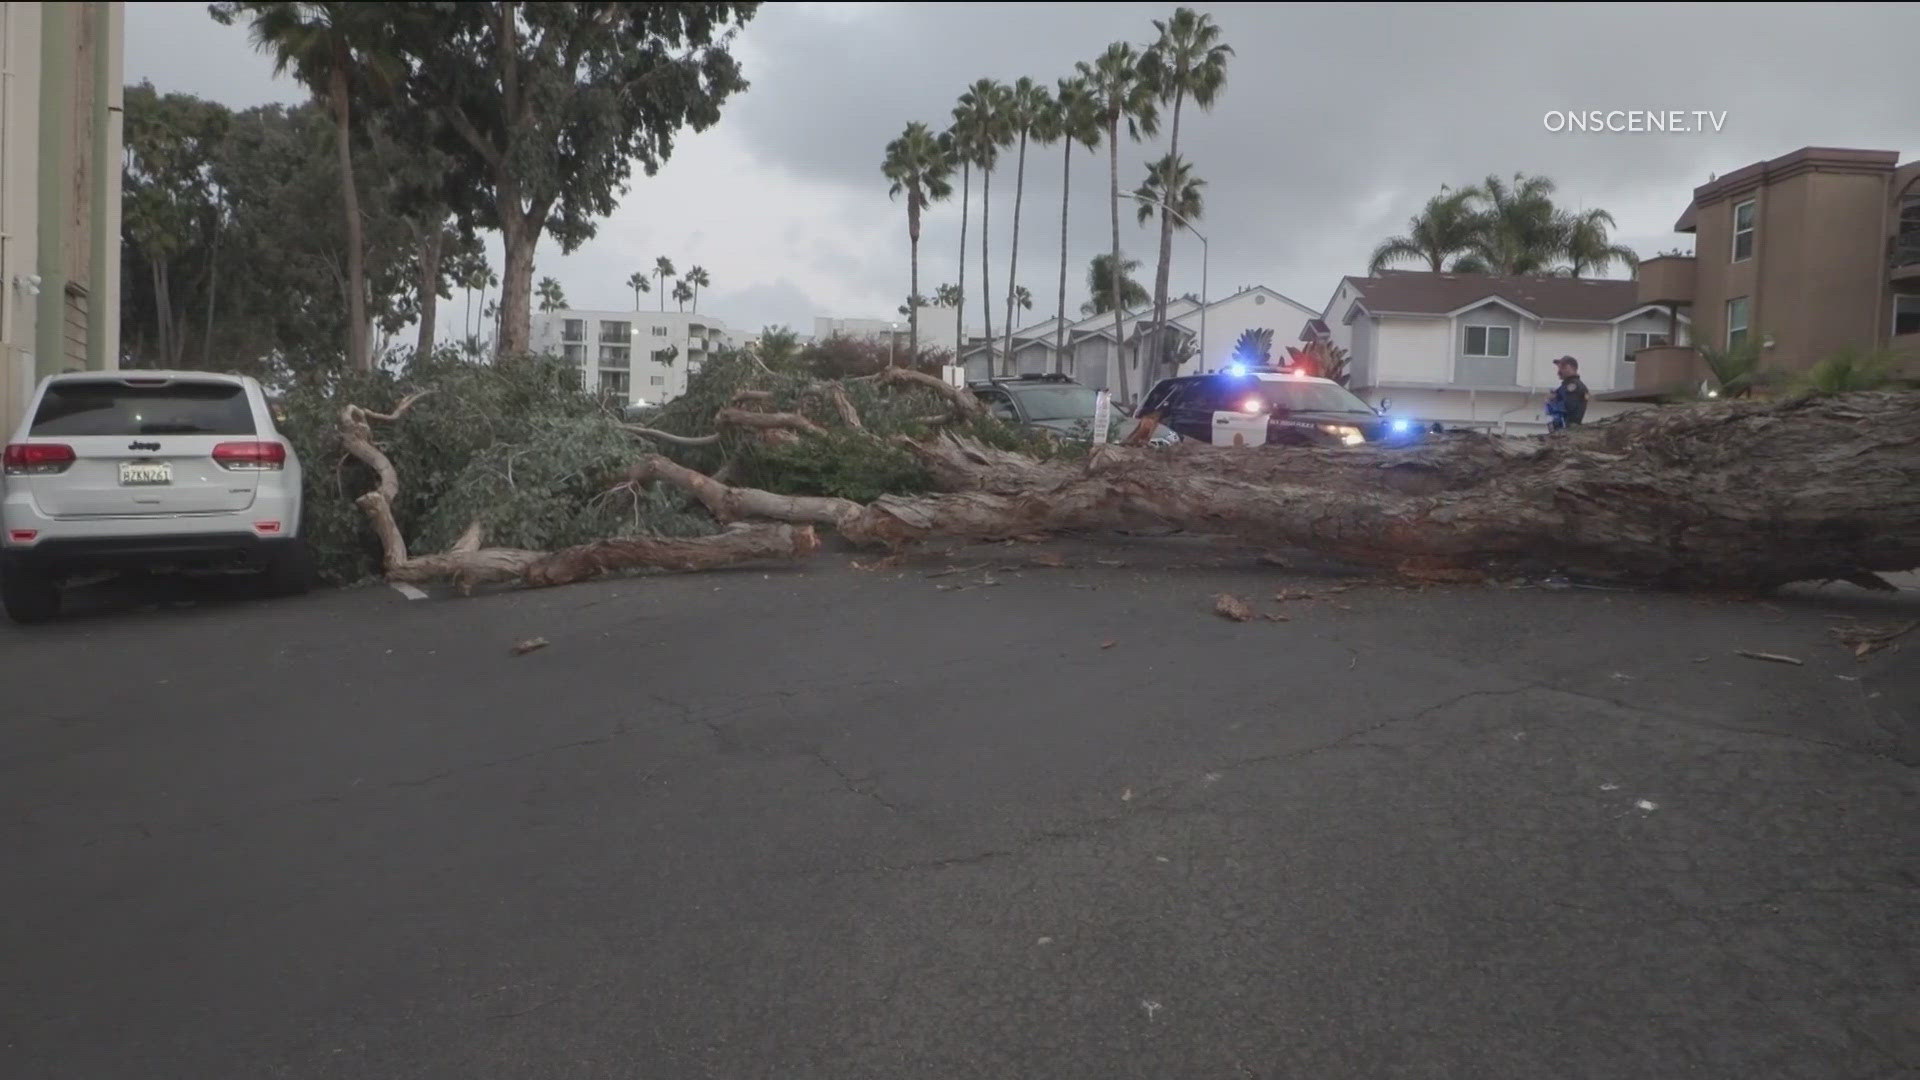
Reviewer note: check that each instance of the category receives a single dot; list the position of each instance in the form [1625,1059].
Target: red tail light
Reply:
[250,456]
[30,459]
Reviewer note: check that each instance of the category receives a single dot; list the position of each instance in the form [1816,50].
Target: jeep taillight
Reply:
[250,456]
[38,459]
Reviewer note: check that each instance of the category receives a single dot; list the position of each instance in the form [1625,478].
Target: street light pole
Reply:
[1204,259]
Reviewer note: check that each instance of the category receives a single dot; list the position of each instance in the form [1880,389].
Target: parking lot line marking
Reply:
[408,591]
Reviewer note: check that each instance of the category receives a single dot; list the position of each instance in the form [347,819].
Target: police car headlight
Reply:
[1348,436]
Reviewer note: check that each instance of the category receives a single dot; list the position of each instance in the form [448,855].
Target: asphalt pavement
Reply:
[1012,820]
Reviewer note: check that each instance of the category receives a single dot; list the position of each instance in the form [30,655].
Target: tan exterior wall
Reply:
[1817,281]
[78,290]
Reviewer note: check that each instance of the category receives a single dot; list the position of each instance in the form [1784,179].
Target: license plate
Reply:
[139,473]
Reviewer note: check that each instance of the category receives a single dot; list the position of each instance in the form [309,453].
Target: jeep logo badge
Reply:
[143,446]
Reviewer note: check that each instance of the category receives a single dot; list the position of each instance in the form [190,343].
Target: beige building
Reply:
[1807,254]
[60,151]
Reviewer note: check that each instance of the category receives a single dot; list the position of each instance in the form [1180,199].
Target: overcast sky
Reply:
[1337,123]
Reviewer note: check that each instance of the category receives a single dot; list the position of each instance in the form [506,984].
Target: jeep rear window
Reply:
[78,409]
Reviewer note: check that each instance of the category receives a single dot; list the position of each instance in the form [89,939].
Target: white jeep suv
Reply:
[133,470]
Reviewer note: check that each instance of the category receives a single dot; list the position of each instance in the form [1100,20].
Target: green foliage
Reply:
[552,107]
[1735,371]
[1852,368]
[1255,347]
[1507,228]
[1100,285]
[1170,181]
[516,444]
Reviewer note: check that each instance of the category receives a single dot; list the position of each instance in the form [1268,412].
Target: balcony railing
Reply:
[1903,257]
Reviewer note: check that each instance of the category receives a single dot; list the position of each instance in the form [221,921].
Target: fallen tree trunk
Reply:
[1740,495]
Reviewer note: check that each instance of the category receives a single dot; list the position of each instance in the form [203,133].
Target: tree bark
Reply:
[1013,257]
[913,277]
[431,242]
[986,281]
[1116,365]
[516,285]
[960,300]
[1152,369]
[357,353]
[1060,327]
[213,292]
[1734,495]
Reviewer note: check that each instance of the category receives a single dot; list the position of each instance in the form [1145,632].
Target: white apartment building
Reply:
[634,357]
[60,151]
[1472,350]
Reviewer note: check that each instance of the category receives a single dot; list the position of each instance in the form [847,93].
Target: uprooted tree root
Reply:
[1733,495]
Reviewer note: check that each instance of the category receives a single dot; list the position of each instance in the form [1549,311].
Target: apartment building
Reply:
[1807,254]
[633,357]
[60,150]
[1477,351]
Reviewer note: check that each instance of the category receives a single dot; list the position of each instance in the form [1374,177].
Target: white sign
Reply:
[1102,415]
[1239,429]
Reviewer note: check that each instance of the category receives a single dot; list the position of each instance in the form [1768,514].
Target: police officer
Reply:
[1567,404]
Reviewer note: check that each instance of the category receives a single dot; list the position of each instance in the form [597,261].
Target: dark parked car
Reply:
[1052,403]
[1258,407]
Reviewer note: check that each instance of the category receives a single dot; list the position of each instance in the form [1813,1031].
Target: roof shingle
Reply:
[1422,292]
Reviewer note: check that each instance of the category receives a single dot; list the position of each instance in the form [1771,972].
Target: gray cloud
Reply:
[1336,124]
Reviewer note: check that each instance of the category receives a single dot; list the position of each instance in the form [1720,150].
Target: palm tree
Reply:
[332,48]
[1120,91]
[1588,247]
[682,292]
[947,296]
[1170,182]
[1073,120]
[1736,369]
[918,165]
[982,115]
[1188,60]
[1022,299]
[551,298]
[639,282]
[1448,226]
[1104,287]
[1027,106]
[697,277]
[1520,232]
[955,141]
[663,269]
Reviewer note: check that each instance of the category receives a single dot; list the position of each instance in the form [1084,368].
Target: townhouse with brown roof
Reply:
[1475,351]
[1808,253]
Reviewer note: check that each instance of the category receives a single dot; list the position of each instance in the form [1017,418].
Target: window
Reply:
[616,384]
[1737,310]
[999,404]
[80,409]
[656,380]
[659,331]
[1637,341]
[576,354]
[616,350]
[1743,231]
[573,330]
[1906,314]
[1489,341]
